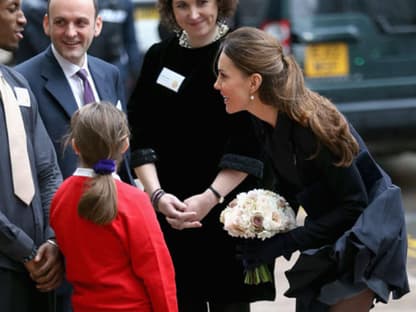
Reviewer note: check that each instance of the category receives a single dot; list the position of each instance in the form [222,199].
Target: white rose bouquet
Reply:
[258,214]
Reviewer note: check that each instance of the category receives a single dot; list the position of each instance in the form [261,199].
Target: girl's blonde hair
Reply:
[99,130]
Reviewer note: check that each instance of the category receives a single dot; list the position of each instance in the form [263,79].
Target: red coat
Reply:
[122,266]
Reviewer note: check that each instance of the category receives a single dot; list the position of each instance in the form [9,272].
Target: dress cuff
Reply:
[246,164]
[142,156]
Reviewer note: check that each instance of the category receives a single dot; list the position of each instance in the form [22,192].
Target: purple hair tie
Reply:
[105,166]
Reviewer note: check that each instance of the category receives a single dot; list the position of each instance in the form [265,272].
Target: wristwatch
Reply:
[217,194]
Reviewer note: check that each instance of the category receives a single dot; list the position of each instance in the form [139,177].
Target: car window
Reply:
[398,15]
[361,54]
[251,12]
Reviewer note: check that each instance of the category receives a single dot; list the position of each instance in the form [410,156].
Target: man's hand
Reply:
[47,268]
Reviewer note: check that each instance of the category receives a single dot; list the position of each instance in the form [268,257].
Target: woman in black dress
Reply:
[353,242]
[184,142]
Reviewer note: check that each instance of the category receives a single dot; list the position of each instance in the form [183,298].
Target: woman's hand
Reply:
[176,213]
[254,252]
[201,204]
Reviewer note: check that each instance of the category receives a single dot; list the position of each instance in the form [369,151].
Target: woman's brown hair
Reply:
[226,8]
[254,51]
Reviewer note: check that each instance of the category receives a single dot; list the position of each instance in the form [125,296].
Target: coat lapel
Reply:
[57,85]
[101,81]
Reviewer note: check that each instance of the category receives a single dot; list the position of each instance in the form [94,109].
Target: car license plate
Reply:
[146,24]
[146,13]
[326,60]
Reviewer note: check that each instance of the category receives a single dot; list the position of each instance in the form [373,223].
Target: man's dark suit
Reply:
[56,106]
[57,102]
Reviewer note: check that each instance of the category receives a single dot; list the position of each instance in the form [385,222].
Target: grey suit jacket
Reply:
[57,102]
[22,227]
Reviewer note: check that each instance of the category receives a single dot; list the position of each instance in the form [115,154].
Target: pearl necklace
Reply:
[220,31]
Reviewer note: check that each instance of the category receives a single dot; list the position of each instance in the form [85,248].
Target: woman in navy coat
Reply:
[353,242]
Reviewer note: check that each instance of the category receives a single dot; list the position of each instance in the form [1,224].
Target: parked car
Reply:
[359,53]
[146,21]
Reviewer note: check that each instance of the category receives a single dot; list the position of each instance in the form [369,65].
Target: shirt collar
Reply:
[88,172]
[69,68]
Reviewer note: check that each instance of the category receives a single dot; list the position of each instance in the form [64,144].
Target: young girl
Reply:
[353,241]
[116,256]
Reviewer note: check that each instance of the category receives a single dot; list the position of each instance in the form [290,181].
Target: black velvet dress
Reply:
[190,137]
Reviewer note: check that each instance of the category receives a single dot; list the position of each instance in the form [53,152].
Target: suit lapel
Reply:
[57,85]
[101,81]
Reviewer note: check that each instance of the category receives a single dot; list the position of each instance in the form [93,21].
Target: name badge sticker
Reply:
[169,79]
[22,96]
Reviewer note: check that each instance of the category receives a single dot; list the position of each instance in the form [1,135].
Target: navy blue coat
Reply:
[57,102]
[354,235]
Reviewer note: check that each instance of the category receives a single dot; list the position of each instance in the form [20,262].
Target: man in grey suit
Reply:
[30,262]
[52,74]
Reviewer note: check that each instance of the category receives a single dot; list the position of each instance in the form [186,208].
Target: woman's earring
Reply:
[251,97]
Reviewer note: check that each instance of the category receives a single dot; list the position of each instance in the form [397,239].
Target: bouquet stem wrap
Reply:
[261,274]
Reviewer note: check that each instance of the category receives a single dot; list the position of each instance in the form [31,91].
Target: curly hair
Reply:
[226,8]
